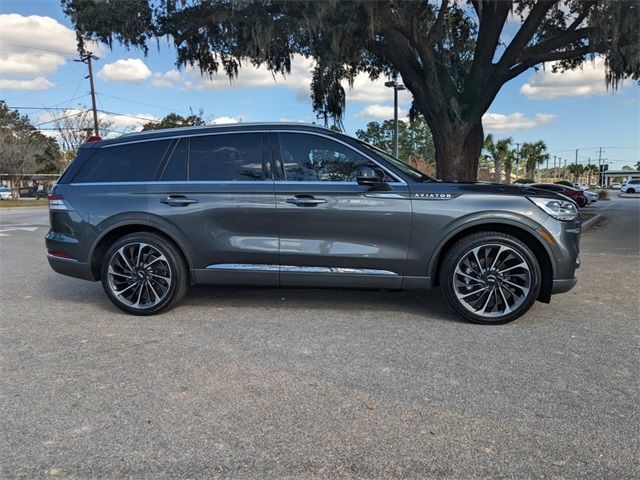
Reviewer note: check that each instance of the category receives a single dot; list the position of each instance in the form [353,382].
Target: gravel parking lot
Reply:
[269,383]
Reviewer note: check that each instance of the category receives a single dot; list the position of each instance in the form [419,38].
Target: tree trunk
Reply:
[497,170]
[458,147]
[507,175]
[529,174]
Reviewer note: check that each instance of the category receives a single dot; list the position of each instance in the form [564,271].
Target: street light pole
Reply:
[396,86]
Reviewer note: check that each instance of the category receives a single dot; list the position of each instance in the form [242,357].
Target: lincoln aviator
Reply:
[149,214]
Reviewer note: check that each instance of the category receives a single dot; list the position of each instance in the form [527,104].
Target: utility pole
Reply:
[86,58]
[517,160]
[547,169]
[396,86]
[555,172]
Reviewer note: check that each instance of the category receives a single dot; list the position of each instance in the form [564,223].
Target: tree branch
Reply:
[525,33]
[437,25]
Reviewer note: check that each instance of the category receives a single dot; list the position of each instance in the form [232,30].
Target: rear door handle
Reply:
[306,201]
[178,201]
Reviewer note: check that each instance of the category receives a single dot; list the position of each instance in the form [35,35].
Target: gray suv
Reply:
[148,214]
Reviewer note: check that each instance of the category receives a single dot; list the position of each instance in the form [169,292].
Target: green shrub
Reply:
[603,195]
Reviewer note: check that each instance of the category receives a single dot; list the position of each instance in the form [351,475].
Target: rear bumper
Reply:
[562,286]
[71,268]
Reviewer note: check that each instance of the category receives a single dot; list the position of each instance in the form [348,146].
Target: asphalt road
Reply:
[267,383]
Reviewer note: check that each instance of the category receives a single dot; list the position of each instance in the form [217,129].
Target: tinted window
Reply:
[313,158]
[134,162]
[226,157]
[176,168]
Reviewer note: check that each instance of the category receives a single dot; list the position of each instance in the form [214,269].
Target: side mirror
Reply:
[371,177]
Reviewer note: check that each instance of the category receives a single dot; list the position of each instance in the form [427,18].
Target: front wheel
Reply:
[143,273]
[490,278]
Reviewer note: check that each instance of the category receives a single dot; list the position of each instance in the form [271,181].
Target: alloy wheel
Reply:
[139,275]
[492,280]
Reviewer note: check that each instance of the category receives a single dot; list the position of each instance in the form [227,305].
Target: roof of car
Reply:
[204,129]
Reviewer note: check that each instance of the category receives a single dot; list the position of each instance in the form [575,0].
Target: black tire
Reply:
[509,251]
[158,251]
[630,190]
[582,202]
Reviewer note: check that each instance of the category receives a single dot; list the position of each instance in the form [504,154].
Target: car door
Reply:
[216,194]
[333,231]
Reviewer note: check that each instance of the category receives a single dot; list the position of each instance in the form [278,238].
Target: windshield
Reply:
[399,164]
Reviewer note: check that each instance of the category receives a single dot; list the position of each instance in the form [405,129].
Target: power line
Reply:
[145,104]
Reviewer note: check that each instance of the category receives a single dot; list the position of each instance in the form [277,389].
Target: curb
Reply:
[589,223]
[629,195]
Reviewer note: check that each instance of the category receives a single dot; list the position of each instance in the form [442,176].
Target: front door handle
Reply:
[178,201]
[305,201]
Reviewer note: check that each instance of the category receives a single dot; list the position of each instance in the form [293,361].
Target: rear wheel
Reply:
[581,201]
[490,277]
[143,274]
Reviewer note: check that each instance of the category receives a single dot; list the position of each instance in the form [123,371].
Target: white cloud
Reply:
[299,80]
[382,112]
[35,45]
[585,81]
[39,83]
[130,70]
[118,123]
[498,122]
[223,120]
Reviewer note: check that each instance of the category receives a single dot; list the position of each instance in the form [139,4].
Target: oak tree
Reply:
[452,55]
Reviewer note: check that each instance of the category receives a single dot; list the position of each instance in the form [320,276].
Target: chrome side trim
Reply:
[180,182]
[291,268]
[244,266]
[185,135]
[387,195]
[358,271]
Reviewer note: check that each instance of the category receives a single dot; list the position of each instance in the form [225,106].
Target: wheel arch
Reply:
[525,234]
[119,230]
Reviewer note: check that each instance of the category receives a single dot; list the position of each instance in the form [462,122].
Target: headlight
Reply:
[564,210]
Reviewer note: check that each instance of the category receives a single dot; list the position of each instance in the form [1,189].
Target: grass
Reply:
[43,202]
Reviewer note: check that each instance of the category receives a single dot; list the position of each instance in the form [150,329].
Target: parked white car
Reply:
[5,193]
[632,186]
[591,197]
[615,186]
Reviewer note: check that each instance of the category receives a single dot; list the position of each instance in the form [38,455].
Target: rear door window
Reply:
[132,162]
[227,157]
[176,168]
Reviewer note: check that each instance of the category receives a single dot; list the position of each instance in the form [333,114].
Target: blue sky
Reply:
[567,111]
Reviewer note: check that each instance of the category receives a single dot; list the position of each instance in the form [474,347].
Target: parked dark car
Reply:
[574,194]
[149,214]
[41,192]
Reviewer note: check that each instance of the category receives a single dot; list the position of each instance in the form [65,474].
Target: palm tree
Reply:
[533,155]
[591,169]
[576,170]
[509,162]
[499,151]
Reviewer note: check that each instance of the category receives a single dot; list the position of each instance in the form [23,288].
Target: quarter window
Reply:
[230,157]
[312,158]
[132,162]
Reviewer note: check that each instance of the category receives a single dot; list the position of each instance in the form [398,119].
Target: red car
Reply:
[573,193]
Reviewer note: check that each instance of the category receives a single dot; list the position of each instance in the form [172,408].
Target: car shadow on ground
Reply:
[426,304]
[418,302]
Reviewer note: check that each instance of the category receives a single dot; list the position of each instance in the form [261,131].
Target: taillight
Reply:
[93,138]
[56,202]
